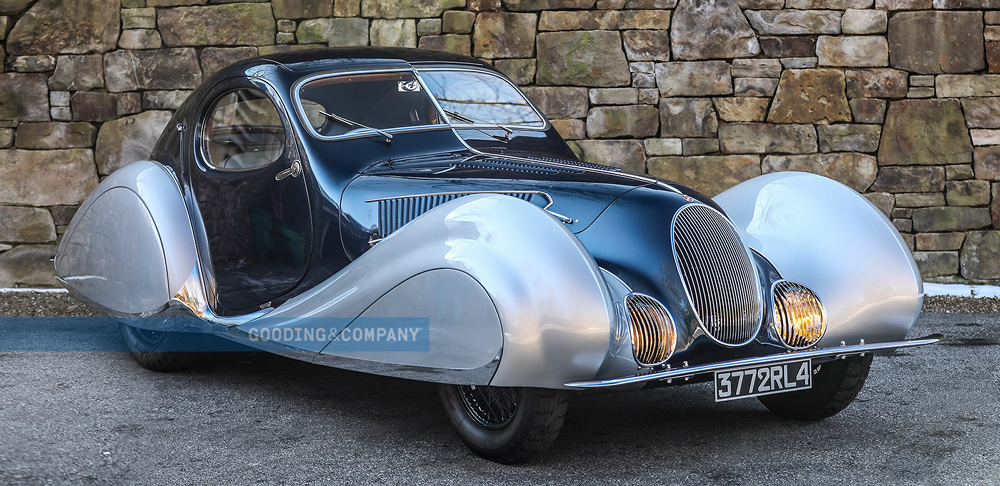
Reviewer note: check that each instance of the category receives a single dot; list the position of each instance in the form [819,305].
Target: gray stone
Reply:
[455,44]
[700,78]
[742,109]
[23,97]
[458,22]
[925,132]
[875,83]
[26,225]
[302,9]
[614,96]
[687,117]
[521,71]
[950,219]
[937,42]
[533,5]
[59,98]
[936,263]
[6,137]
[46,177]
[286,26]
[559,102]
[985,137]
[853,51]
[129,139]
[511,35]
[60,27]
[848,138]
[920,199]
[571,129]
[757,87]
[77,73]
[338,32]
[986,163]
[138,18]
[584,58]
[13,7]
[708,174]
[756,68]
[428,26]
[909,179]
[407,9]
[140,39]
[128,103]
[960,86]
[864,22]
[995,205]
[32,64]
[967,193]
[28,266]
[94,106]
[868,110]
[55,135]
[786,46]
[828,4]
[647,45]
[152,69]
[903,4]
[164,100]
[634,121]
[982,112]
[857,171]
[235,24]
[764,138]
[700,146]
[882,200]
[810,96]
[394,33]
[214,59]
[981,255]
[794,22]
[921,80]
[711,29]
[939,241]
[920,92]
[625,154]
[959,172]
[799,62]
[663,146]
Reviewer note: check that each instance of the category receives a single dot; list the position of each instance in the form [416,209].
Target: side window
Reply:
[243,131]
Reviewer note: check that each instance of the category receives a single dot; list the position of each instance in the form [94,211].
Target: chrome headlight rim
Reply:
[774,313]
[647,329]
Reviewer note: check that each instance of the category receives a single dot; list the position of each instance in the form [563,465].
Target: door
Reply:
[252,197]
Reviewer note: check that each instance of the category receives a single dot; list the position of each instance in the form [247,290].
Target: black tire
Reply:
[509,436]
[835,385]
[157,351]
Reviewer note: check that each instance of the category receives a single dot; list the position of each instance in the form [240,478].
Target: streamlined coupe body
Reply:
[411,214]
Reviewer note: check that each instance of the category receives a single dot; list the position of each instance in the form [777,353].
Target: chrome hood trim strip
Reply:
[835,352]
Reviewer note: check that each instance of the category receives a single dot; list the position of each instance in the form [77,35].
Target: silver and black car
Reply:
[412,214]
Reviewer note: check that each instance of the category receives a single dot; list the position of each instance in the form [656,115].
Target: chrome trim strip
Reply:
[548,199]
[843,350]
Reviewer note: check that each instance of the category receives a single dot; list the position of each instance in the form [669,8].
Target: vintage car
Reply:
[412,214]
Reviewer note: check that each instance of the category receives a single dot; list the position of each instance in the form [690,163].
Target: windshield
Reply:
[479,97]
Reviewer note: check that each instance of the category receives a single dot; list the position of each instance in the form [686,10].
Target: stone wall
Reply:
[895,98]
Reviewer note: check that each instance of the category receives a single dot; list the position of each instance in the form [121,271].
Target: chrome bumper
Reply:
[680,373]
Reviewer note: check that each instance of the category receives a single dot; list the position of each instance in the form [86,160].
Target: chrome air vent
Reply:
[517,166]
[395,212]
[575,163]
[718,276]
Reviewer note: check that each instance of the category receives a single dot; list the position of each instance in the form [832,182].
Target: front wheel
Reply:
[506,425]
[835,385]
[158,351]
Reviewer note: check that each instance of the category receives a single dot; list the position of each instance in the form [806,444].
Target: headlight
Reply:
[799,317]
[653,334]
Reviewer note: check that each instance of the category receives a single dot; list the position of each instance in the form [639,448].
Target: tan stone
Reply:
[505,35]
[698,78]
[925,132]
[634,121]
[765,138]
[55,135]
[394,32]
[627,155]
[455,44]
[742,109]
[875,83]
[233,24]
[810,96]
[709,175]
[28,266]
[46,177]
[26,225]
[582,58]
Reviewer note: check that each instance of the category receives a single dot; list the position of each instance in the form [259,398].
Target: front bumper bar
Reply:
[843,350]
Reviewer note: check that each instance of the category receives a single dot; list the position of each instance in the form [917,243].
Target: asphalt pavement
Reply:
[927,416]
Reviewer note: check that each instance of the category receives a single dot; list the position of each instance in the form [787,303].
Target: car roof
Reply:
[335,58]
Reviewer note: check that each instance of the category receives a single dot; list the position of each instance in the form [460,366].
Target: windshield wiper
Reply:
[472,121]
[387,135]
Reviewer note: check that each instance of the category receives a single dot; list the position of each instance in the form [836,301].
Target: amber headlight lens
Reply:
[799,317]
[653,334]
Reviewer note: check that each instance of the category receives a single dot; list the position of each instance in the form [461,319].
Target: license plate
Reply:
[763,380]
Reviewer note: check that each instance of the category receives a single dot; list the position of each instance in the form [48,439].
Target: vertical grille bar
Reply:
[718,275]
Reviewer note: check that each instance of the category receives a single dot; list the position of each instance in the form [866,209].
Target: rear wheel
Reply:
[158,351]
[835,385]
[506,425]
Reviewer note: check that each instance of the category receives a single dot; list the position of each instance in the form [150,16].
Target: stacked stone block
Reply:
[898,99]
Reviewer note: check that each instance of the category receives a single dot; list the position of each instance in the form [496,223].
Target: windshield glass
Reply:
[378,100]
[476,97]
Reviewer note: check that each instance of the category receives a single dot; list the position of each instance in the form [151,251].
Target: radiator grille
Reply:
[718,275]
[393,213]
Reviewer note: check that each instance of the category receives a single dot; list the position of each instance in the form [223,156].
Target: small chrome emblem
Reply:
[687,198]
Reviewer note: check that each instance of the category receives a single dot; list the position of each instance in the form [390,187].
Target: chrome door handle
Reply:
[293,171]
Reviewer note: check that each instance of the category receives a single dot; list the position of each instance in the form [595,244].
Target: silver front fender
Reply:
[823,234]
